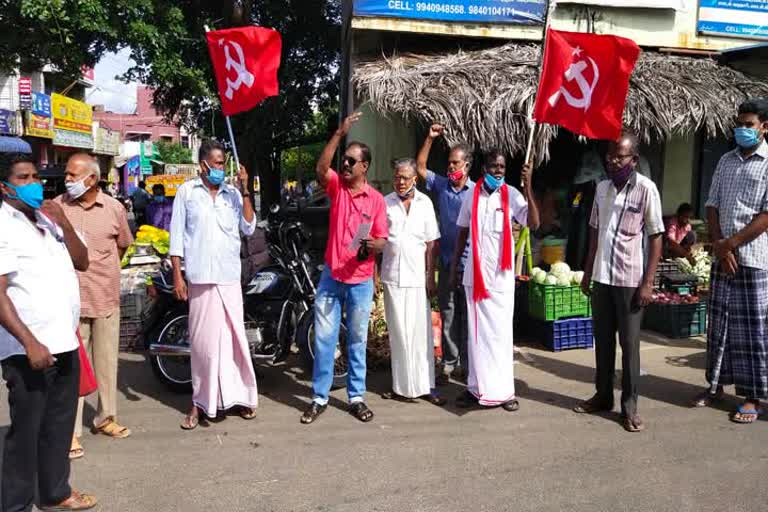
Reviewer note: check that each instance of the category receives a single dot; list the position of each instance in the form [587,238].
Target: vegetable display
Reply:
[674,298]
[560,274]
[160,240]
[701,268]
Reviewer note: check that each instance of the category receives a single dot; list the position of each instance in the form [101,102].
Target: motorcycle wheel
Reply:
[305,340]
[173,371]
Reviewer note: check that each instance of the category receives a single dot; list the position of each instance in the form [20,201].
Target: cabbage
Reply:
[564,280]
[539,277]
[559,269]
[536,270]
[577,277]
[550,280]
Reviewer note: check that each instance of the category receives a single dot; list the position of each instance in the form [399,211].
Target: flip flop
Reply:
[190,422]
[632,423]
[76,450]
[752,413]
[247,414]
[76,501]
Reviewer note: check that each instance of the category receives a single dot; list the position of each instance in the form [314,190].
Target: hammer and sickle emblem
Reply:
[576,72]
[244,77]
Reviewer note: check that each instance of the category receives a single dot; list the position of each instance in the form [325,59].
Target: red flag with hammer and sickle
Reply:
[584,82]
[245,61]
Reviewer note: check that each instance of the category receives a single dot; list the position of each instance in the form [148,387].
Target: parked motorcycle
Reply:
[278,306]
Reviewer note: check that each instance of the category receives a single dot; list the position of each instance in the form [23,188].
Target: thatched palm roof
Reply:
[483,97]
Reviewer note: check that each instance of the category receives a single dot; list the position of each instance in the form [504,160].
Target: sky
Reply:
[115,95]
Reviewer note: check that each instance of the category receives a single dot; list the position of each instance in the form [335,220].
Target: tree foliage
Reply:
[173,153]
[166,38]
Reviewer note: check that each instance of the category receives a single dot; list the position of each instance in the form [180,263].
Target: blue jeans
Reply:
[357,301]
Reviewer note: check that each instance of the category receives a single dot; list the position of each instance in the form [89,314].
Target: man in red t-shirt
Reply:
[357,231]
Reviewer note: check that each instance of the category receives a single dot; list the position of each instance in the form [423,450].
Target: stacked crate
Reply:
[132,306]
[562,316]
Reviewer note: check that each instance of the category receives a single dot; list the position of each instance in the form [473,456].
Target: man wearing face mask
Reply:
[39,314]
[737,214]
[160,208]
[626,207]
[356,233]
[208,217]
[486,218]
[103,222]
[408,258]
[449,192]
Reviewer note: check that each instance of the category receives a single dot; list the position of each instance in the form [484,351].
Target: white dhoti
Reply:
[489,346]
[222,369]
[409,321]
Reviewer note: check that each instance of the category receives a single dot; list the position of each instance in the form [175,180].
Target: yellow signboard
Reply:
[38,126]
[170,181]
[71,115]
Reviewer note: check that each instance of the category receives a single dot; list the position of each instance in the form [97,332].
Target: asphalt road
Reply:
[417,457]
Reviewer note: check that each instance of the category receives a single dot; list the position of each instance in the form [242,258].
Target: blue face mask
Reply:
[30,194]
[747,137]
[159,199]
[492,182]
[216,176]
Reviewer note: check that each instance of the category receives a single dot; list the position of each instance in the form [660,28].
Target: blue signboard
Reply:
[745,19]
[7,122]
[41,104]
[468,11]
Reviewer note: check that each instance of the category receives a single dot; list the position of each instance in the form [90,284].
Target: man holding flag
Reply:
[486,216]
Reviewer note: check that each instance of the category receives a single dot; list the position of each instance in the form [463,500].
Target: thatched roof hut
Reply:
[484,97]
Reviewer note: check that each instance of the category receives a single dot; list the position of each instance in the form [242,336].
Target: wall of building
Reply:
[679,163]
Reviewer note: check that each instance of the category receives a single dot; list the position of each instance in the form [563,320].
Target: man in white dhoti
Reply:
[408,274]
[486,215]
[208,216]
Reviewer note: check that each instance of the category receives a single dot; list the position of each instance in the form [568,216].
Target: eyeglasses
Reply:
[399,178]
[350,161]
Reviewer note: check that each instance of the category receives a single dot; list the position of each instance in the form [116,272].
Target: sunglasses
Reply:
[350,161]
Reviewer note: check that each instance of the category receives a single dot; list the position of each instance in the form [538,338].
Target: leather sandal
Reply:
[109,427]
[312,412]
[592,406]
[247,413]
[361,411]
[76,501]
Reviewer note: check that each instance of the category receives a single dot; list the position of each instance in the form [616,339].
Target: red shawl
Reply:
[480,292]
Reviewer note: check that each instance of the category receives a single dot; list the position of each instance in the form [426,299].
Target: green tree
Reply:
[167,39]
[173,153]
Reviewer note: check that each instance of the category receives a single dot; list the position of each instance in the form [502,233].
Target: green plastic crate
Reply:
[551,302]
[676,320]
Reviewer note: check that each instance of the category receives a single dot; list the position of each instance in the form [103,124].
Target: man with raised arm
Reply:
[357,231]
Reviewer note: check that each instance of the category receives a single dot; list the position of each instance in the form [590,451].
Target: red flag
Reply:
[584,82]
[245,61]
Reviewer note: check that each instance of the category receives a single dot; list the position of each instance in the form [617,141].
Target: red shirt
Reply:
[675,232]
[348,211]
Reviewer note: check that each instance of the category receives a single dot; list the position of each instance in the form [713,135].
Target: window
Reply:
[185,141]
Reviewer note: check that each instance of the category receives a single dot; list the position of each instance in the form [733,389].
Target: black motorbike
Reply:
[278,306]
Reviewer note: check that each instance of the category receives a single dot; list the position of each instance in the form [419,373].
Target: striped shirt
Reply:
[104,224]
[739,191]
[623,219]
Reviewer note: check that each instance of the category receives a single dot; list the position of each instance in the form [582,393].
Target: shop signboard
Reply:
[41,104]
[38,126]
[7,122]
[147,152]
[25,92]
[170,181]
[743,19]
[72,122]
[106,142]
[467,11]
[132,174]
[192,169]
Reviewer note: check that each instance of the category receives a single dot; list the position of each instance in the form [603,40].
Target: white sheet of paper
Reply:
[363,230]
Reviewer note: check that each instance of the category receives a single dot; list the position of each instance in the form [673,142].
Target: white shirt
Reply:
[206,232]
[490,222]
[403,262]
[623,219]
[42,283]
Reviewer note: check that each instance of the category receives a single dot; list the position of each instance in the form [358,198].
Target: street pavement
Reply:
[417,457]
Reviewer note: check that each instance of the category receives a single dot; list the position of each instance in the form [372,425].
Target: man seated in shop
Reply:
[680,237]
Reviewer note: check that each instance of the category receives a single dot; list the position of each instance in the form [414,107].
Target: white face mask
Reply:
[76,189]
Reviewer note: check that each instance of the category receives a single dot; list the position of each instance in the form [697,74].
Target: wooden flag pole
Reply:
[229,130]
[532,124]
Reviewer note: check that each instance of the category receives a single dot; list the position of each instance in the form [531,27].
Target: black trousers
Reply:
[42,408]
[614,310]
